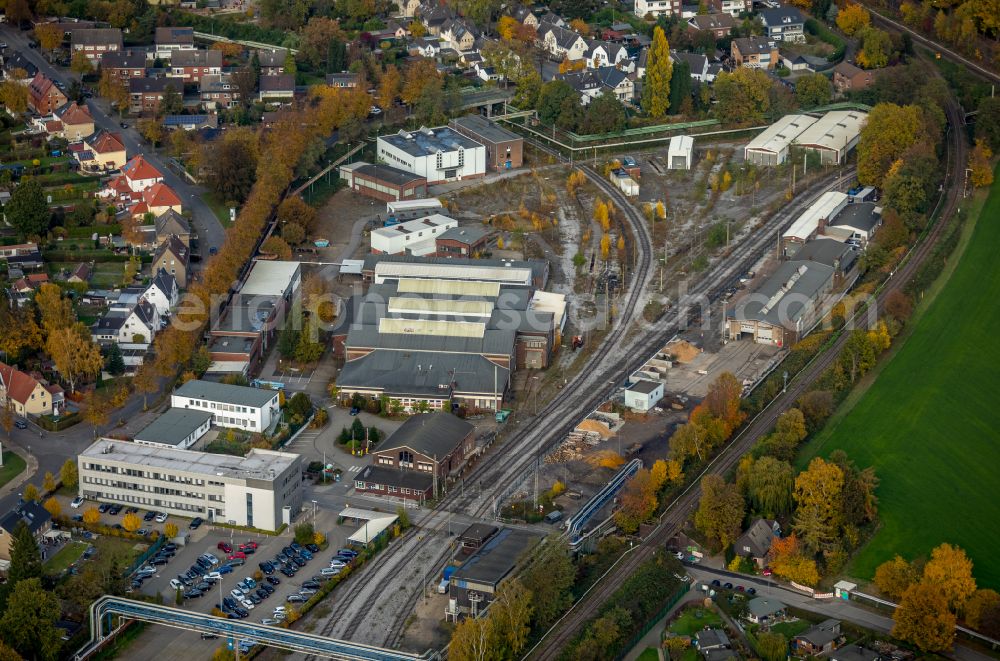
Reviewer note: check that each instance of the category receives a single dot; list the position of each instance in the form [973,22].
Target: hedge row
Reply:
[821,32]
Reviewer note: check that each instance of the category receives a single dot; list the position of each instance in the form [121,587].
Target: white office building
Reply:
[177,428]
[657,8]
[240,407]
[262,490]
[440,154]
[414,237]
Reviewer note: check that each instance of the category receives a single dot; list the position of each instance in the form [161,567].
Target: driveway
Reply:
[209,228]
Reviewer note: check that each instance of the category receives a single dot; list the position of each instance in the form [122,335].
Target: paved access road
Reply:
[210,230]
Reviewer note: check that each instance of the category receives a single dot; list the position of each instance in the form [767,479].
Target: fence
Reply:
[150,552]
[685,588]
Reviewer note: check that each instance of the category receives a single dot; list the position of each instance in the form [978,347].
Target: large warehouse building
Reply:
[438,155]
[785,307]
[427,341]
[833,135]
[383,182]
[504,149]
[773,146]
[262,490]
[806,226]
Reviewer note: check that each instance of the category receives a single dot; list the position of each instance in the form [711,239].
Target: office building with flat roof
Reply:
[262,490]
[250,409]
[504,149]
[177,428]
[440,154]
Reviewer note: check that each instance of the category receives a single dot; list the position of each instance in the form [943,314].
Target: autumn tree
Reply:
[53,507]
[720,510]
[893,577]
[81,64]
[14,95]
[813,90]
[876,48]
[743,95]
[688,440]
[723,400]
[638,501]
[131,522]
[96,410]
[951,569]
[276,246]
[979,163]
[549,576]
[659,70]
[19,332]
[772,646]
[170,530]
[91,515]
[473,639]
[507,27]
[769,486]
[114,90]
[510,612]
[74,353]
[605,246]
[853,18]
[924,619]
[293,209]
[420,77]
[818,494]
[787,559]
[322,44]
[54,309]
[233,164]
[981,611]
[69,474]
[49,36]
[988,121]
[389,86]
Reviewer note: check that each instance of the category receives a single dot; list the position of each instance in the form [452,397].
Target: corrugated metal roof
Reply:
[834,130]
[780,135]
[513,275]
[451,307]
[450,287]
[434,327]
[826,206]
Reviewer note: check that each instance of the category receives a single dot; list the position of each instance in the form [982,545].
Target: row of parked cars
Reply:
[162,557]
[729,586]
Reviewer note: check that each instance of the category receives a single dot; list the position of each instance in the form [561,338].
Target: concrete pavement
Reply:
[210,230]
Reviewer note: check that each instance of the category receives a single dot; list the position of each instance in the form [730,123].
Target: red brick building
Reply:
[383,182]
[124,65]
[43,95]
[462,241]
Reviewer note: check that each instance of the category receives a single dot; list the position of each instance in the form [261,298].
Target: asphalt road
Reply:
[209,229]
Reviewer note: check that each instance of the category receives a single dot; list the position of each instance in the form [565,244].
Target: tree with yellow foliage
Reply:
[661,211]
[53,507]
[853,18]
[602,215]
[131,522]
[500,243]
[605,246]
[621,243]
[979,163]
[507,27]
[923,618]
[580,26]
[91,515]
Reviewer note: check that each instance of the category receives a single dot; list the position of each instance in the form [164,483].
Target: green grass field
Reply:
[930,424]
[13,464]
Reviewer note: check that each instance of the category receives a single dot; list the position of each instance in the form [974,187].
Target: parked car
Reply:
[307,591]
[751,590]
[311,584]
[193,593]
[296,599]
[76,502]
[103,508]
[273,580]
[161,517]
[266,567]
[115,510]
[237,554]
[209,636]
[236,562]
[142,531]
[224,569]
[305,555]
[195,523]
[349,552]
[267,588]
[176,583]
[329,571]
[224,547]
[132,510]
[149,516]
[268,620]
[252,544]
[717,583]
[158,560]
[355,410]
[21,424]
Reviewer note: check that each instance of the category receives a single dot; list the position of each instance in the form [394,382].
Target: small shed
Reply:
[679,152]
[643,395]
[843,589]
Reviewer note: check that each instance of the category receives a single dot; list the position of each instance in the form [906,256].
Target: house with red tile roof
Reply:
[43,95]
[77,122]
[102,151]
[29,283]
[26,395]
[157,200]
[137,175]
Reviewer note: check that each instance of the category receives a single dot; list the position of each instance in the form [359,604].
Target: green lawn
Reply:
[66,556]
[13,464]
[689,623]
[791,629]
[930,424]
[649,654]
[218,207]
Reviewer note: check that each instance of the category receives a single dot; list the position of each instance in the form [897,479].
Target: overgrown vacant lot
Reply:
[930,423]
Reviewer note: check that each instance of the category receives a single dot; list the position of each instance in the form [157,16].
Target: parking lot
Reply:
[208,540]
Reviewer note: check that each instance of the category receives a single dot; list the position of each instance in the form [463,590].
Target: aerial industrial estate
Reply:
[483,330]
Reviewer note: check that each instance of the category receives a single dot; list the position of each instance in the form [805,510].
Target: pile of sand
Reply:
[683,351]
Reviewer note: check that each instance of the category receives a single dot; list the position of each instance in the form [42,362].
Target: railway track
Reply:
[677,513]
[527,445]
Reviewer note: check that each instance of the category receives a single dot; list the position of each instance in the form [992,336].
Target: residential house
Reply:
[591,83]
[754,52]
[34,516]
[434,17]
[563,43]
[553,19]
[458,35]
[784,23]
[819,639]
[172,256]
[162,292]
[697,62]
[96,42]
[407,8]
[17,249]
[18,68]
[136,325]
[428,47]
[191,65]
[102,151]
[657,8]
[43,95]
[191,122]
[77,122]
[343,80]
[707,640]
[755,543]
[139,174]
[732,7]
[145,94]
[29,284]
[525,16]
[272,61]
[157,200]
[281,86]
[604,54]
[23,392]
[762,610]
[436,444]
[171,223]
[81,274]
[720,25]
[218,91]
[169,40]
[124,65]
[848,78]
